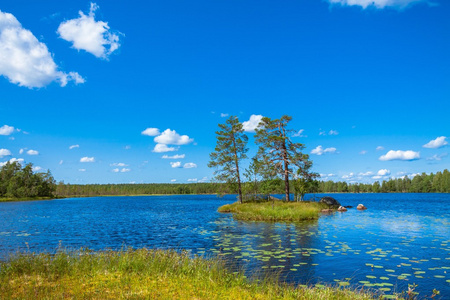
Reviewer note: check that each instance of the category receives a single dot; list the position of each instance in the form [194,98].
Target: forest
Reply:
[424,183]
[21,182]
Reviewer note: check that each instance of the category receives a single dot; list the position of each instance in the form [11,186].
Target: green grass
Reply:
[142,274]
[3,199]
[274,211]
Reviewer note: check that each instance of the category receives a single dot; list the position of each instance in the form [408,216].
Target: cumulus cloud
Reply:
[171,137]
[4,152]
[192,180]
[87,159]
[379,148]
[363,152]
[436,143]
[369,173]
[36,169]
[21,151]
[189,165]
[85,33]
[379,4]
[5,129]
[32,152]
[176,164]
[61,162]
[82,170]
[252,123]
[173,180]
[383,172]
[400,155]
[204,179]
[125,170]
[74,146]
[151,132]
[319,150]
[299,133]
[177,156]
[223,115]
[116,170]
[26,61]
[19,160]
[161,148]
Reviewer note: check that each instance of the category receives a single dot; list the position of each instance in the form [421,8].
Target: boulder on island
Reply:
[361,207]
[341,208]
[330,201]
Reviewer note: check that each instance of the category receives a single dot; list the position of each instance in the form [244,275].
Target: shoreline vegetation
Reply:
[145,274]
[274,210]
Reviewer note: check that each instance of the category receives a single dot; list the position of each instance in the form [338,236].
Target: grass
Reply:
[4,199]
[274,211]
[142,274]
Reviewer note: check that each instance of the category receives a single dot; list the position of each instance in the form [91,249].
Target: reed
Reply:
[142,274]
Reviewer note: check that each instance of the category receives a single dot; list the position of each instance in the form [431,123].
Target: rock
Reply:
[341,208]
[327,211]
[361,207]
[330,201]
[348,206]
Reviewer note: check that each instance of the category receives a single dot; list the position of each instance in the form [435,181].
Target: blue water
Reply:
[401,239]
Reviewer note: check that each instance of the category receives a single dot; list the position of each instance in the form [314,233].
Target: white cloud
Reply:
[160,148]
[5,129]
[252,123]
[333,132]
[118,165]
[171,137]
[379,148]
[369,173]
[177,156]
[383,172]
[116,170]
[151,132]
[299,133]
[319,150]
[224,115]
[192,180]
[82,170]
[436,143]
[380,4]
[87,159]
[348,176]
[400,155]
[377,177]
[127,147]
[125,170]
[87,34]
[21,151]
[322,133]
[32,152]
[437,156]
[19,160]
[173,180]
[204,179]
[36,169]
[189,165]
[26,61]
[74,146]
[61,162]
[4,152]
[363,152]
[176,164]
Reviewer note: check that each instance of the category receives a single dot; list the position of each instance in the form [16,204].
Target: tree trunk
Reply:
[286,172]
[237,170]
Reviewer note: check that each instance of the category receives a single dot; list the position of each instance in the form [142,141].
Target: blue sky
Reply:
[368,82]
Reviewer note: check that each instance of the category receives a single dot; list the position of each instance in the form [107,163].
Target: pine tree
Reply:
[230,150]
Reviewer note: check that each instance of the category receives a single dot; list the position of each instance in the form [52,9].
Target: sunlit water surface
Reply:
[401,239]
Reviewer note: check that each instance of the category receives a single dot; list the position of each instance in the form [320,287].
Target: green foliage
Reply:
[231,148]
[18,182]
[274,211]
[278,155]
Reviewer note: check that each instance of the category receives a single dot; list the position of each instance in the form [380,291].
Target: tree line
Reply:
[21,182]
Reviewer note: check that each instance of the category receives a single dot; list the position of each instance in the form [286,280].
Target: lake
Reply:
[401,239]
